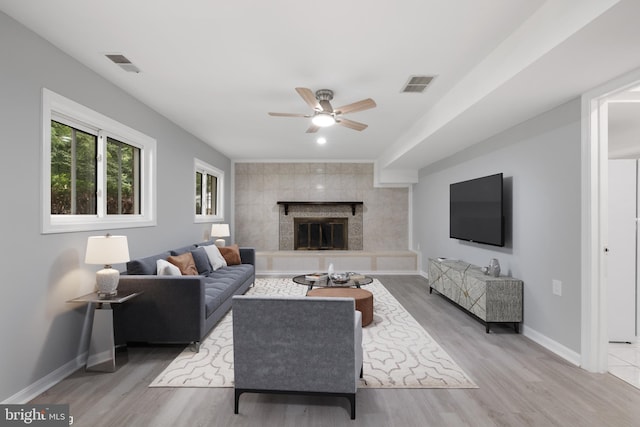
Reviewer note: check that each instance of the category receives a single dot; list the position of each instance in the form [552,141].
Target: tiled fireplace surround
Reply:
[258,187]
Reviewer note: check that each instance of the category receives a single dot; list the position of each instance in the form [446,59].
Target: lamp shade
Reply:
[107,250]
[220,230]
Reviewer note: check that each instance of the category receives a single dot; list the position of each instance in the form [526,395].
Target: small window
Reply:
[208,192]
[97,173]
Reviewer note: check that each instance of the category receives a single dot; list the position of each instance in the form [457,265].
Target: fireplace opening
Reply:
[320,233]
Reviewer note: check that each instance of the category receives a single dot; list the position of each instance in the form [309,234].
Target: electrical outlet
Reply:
[557,287]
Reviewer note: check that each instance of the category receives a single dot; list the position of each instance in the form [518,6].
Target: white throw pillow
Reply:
[215,257]
[165,268]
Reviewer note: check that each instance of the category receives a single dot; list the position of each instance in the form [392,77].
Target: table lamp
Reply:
[107,250]
[220,230]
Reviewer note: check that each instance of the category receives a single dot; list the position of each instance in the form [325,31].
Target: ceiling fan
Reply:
[324,114]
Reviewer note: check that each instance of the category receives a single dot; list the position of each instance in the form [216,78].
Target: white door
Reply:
[621,265]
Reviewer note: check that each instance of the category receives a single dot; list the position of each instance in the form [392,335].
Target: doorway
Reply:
[595,230]
[622,266]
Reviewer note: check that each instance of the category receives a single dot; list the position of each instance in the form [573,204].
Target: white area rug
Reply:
[398,352]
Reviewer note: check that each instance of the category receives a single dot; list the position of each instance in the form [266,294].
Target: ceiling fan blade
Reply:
[352,124]
[309,97]
[288,115]
[365,104]
[313,128]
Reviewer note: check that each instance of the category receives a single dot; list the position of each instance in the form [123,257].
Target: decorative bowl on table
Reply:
[339,278]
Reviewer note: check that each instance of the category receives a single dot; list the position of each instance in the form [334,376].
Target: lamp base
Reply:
[220,243]
[107,282]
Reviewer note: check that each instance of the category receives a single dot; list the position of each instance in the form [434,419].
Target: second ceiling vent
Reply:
[417,84]
[122,62]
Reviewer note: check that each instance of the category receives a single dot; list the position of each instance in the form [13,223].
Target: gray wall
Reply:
[40,333]
[540,160]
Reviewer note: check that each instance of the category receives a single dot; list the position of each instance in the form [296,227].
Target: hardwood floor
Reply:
[520,384]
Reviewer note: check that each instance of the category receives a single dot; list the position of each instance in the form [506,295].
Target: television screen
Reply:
[475,210]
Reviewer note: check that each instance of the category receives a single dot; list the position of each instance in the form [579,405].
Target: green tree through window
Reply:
[73,171]
[123,172]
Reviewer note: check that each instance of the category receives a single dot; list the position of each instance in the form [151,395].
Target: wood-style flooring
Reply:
[520,384]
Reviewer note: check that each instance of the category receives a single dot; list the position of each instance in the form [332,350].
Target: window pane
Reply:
[123,178]
[198,193]
[73,171]
[212,186]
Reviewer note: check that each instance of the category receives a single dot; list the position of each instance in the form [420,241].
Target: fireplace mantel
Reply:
[352,204]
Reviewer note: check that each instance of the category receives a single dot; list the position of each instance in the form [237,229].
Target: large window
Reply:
[98,173]
[208,192]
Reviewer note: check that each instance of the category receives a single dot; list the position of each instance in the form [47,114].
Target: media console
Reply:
[490,299]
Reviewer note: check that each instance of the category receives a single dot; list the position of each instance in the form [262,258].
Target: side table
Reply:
[102,347]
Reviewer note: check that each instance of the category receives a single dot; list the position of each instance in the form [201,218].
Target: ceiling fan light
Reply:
[323,120]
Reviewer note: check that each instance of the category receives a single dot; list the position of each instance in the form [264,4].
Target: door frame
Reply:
[594,153]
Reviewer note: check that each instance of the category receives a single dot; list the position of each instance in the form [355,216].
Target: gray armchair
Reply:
[297,345]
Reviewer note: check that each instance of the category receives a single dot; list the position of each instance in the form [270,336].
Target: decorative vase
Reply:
[494,267]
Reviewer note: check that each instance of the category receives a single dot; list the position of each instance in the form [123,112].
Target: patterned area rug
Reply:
[398,352]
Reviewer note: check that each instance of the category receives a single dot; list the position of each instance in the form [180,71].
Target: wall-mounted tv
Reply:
[475,210]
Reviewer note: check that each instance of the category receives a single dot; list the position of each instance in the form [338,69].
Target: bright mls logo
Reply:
[35,415]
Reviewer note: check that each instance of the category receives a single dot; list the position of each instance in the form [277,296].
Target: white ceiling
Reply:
[217,68]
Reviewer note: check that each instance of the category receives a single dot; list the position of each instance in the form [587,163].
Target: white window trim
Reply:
[204,167]
[54,105]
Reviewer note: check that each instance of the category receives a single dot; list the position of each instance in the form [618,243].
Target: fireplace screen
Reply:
[320,233]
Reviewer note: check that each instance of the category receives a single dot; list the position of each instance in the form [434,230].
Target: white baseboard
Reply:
[368,273]
[551,345]
[46,382]
[424,274]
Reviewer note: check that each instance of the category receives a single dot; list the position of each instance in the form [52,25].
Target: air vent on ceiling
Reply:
[122,62]
[417,84]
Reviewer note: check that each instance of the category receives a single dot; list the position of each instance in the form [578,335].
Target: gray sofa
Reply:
[297,345]
[178,309]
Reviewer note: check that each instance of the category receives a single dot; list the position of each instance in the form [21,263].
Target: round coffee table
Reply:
[363,298]
[360,280]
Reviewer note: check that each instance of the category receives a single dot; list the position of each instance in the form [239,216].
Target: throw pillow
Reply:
[165,268]
[185,263]
[215,257]
[202,261]
[231,254]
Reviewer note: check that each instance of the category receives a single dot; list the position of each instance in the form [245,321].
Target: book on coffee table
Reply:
[314,277]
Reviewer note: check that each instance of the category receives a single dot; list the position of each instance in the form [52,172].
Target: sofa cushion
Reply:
[202,261]
[231,254]
[145,265]
[185,263]
[222,283]
[165,268]
[215,257]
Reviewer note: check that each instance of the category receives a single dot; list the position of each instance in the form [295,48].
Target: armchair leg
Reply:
[352,400]
[361,371]
[237,401]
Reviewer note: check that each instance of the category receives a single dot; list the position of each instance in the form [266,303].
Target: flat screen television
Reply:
[475,210]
